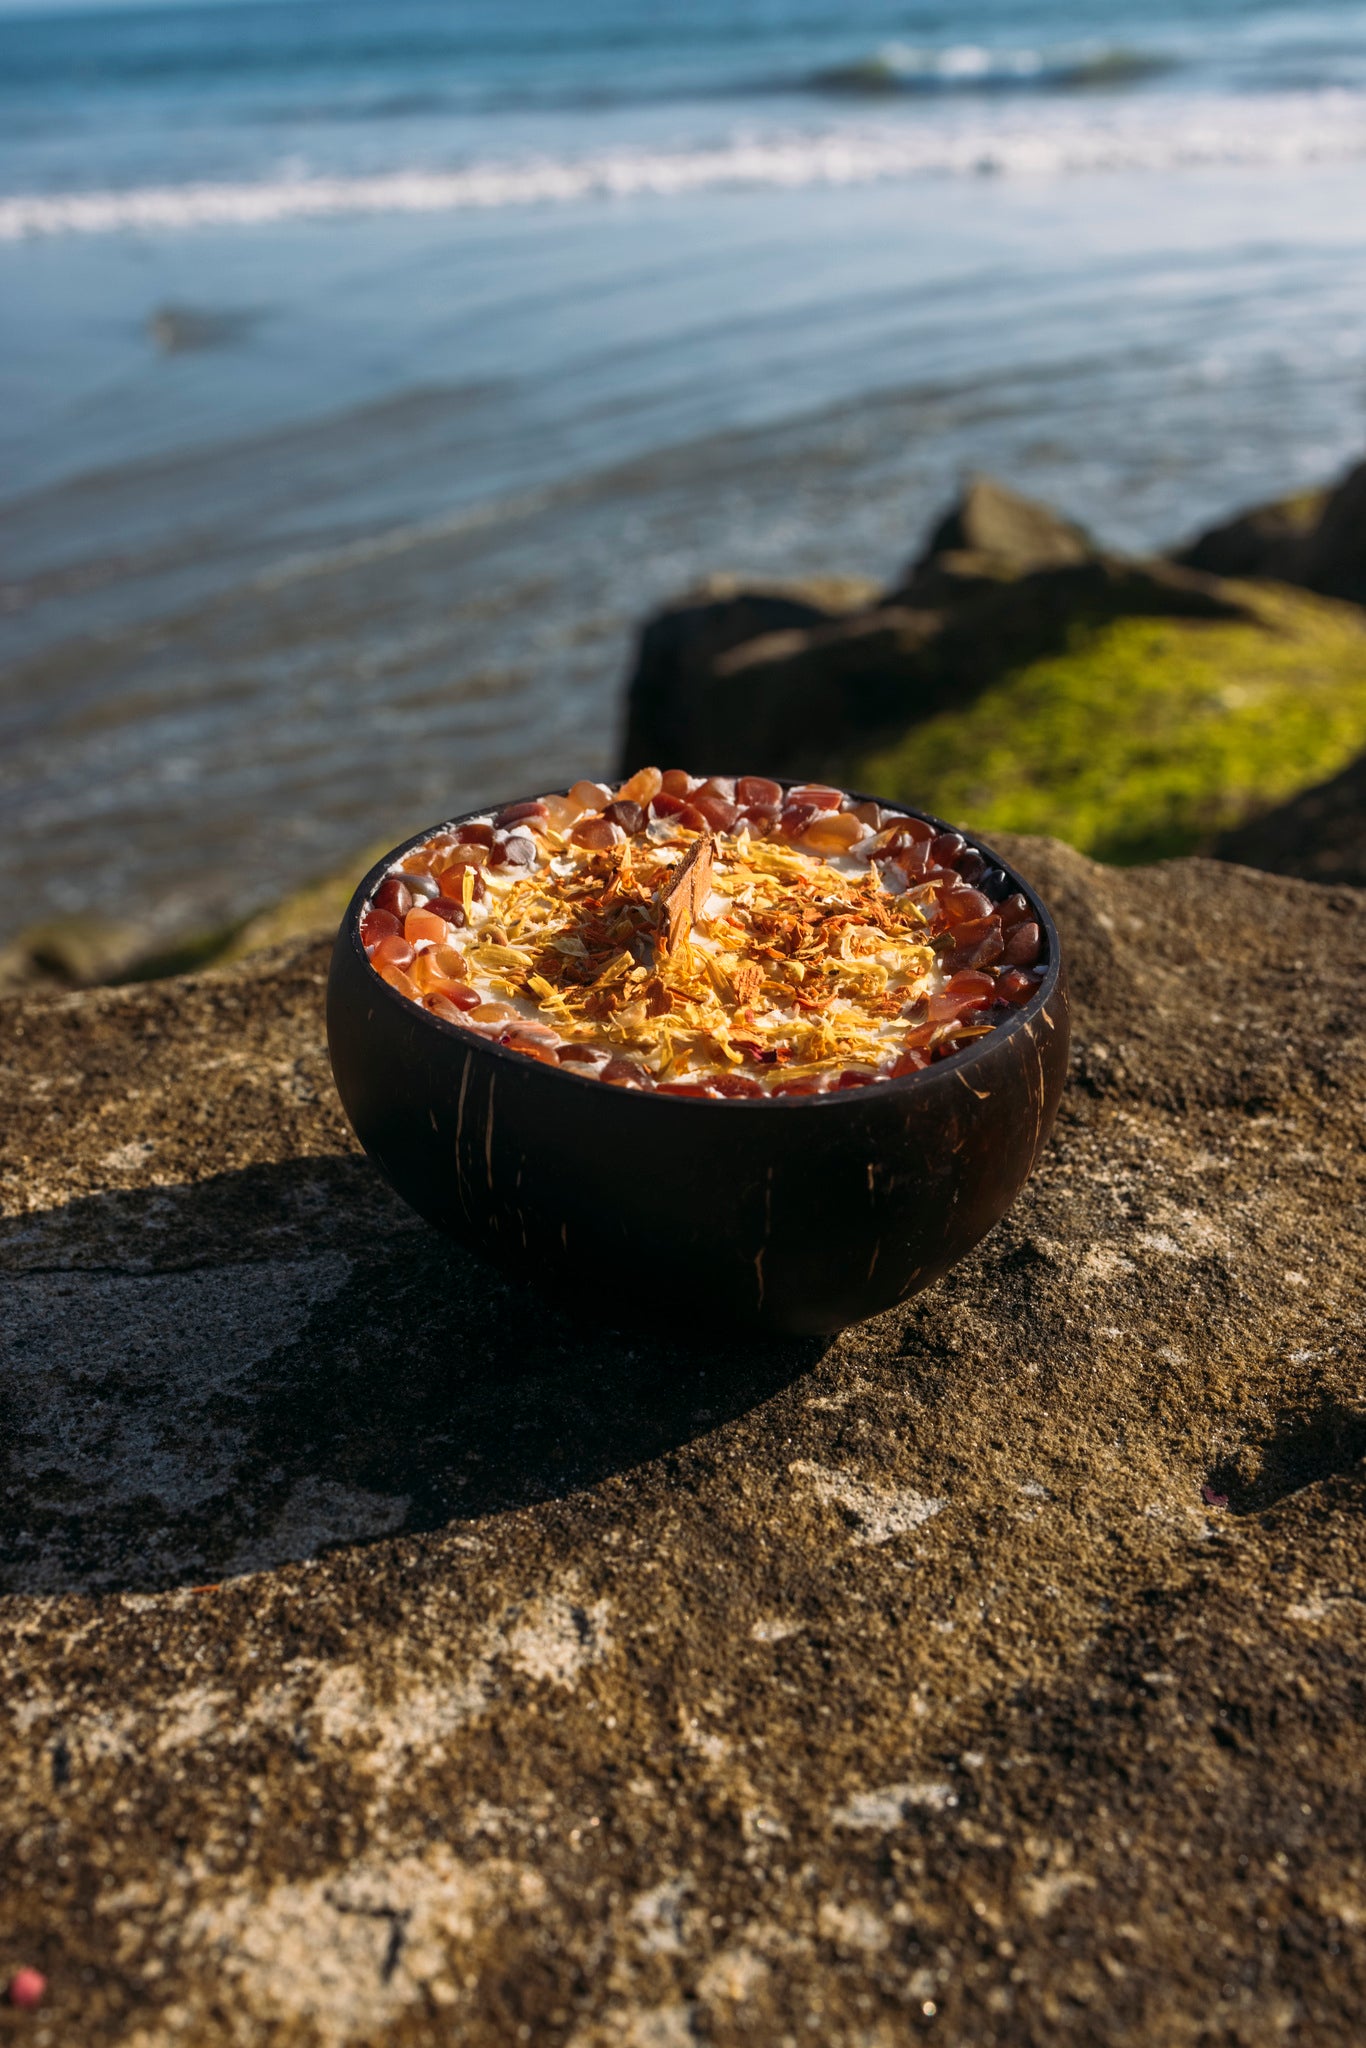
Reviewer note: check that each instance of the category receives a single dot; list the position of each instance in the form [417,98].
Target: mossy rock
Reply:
[1144,737]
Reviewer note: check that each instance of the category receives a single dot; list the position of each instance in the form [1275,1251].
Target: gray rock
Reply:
[1269,541]
[184,330]
[1319,834]
[682,644]
[1317,538]
[994,532]
[1336,564]
[387,1658]
[752,680]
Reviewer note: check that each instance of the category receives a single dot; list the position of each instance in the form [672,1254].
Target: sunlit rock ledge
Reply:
[389,1659]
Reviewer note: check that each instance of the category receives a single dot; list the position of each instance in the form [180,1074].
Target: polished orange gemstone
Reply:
[423,924]
[642,787]
[971,982]
[961,906]
[596,833]
[718,811]
[449,962]
[393,895]
[462,995]
[404,983]
[975,944]
[440,969]
[560,813]
[899,832]
[795,820]
[834,834]
[590,796]
[626,1073]
[1015,987]
[1023,946]
[472,857]
[392,952]
[377,925]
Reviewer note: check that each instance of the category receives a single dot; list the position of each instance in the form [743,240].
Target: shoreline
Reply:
[996,572]
[428,656]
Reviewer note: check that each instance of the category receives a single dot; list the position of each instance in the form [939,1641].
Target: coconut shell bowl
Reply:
[791,1213]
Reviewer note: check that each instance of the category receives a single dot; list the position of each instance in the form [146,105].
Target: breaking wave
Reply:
[972,67]
[1288,130]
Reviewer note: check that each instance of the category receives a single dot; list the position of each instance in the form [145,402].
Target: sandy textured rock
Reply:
[389,1660]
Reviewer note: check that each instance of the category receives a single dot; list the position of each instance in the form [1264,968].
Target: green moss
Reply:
[1144,737]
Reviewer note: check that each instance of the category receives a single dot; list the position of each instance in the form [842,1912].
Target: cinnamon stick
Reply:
[680,900]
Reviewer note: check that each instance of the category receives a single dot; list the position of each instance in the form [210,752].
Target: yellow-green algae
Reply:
[1146,736]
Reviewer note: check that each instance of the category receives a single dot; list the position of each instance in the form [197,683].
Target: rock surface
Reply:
[389,1659]
[1019,676]
[993,531]
[1268,540]
[1320,834]
[773,677]
[1317,538]
[684,643]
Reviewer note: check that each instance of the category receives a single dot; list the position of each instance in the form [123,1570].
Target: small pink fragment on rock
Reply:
[1213,1499]
[27,1988]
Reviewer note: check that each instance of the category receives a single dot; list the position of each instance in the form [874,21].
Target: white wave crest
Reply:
[1289,130]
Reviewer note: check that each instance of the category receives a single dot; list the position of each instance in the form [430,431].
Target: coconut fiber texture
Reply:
[387,1660]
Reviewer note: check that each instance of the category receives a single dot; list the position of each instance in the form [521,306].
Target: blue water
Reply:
[366,369]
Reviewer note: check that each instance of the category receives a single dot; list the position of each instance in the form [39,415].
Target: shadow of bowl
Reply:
[799,1214]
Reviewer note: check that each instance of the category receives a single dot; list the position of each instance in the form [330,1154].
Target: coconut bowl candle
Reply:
[730,1046]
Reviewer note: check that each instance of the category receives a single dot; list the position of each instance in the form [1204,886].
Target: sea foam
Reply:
[1187,134]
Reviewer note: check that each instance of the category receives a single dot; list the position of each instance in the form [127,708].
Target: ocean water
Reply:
[366,370]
